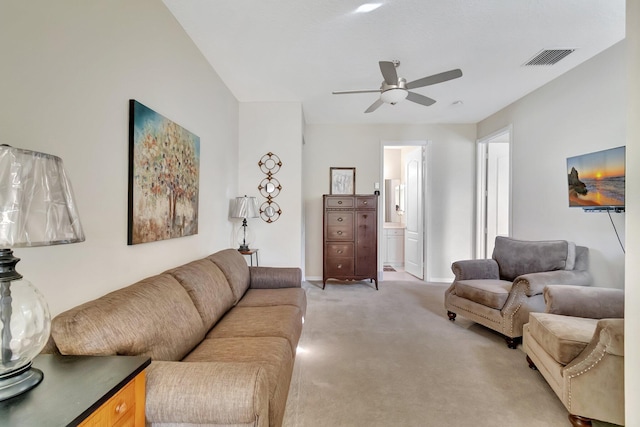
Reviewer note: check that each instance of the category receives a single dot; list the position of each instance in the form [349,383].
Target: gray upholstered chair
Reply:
[578,347]
[500,292]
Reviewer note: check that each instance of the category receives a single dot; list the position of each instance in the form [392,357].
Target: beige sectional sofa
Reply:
[222,337]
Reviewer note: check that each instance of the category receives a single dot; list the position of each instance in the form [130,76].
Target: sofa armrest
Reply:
[275,277]
[611,331]
[535,282]
[579,301]
[476,269]
[221,393]
[515,312]
[608,338]
[594,380]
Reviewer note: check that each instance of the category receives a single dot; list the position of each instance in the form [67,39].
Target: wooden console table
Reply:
[81,390]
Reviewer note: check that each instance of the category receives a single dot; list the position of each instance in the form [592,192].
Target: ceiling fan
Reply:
[395,89]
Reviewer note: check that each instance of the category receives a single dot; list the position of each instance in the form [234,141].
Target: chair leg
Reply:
[513,342]
[452,316]
[578,421]
[531,364]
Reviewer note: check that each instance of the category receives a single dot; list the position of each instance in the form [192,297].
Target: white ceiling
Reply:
[302,50]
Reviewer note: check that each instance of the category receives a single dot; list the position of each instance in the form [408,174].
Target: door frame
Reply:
[425,197]
[481,185]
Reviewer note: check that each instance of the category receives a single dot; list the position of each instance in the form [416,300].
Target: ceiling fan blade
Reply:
[436,78]
[420,99]
[389,72]
[342,92]
[374,106]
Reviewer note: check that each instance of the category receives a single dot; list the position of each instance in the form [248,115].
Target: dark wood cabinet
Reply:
[350,238]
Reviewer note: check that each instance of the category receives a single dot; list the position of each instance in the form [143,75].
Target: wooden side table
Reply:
[81,390]
[251,253]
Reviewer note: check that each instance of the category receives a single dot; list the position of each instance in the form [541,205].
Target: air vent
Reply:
[548,57]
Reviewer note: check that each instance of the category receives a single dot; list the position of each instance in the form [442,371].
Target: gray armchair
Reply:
[578,347]
[500,292]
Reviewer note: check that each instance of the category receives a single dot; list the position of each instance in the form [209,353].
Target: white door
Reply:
[493,201]
[497,193]
[414,236]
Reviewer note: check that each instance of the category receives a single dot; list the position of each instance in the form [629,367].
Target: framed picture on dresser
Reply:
[342,180]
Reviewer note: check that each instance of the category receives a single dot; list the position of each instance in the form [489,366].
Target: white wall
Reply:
[632,273]
[274,127]
[392,164]
[450,175]
[574,114]
[67,71]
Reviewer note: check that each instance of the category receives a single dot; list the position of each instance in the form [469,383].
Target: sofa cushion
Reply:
[270,297]
[518,257]
[275,277]
[562,337]
[490,293]
[205,394]
[584,301]
[272,353]
[235,269]
[154,317]
[283,321]
[207,287]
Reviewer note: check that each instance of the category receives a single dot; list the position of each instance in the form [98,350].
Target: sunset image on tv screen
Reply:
[597,179]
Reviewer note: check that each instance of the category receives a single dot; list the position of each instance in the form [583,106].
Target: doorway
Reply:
[402,231]
[493,198]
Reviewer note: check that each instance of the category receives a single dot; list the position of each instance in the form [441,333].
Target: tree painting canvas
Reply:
[164,164]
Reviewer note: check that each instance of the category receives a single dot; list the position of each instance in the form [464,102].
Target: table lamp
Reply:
[244,207]
[36,209]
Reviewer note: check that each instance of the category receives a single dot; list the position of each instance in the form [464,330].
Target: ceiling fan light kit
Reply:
[394,89]
[391,96]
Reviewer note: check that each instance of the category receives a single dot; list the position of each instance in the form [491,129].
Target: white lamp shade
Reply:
[245,207]
[391,96]
[37,207]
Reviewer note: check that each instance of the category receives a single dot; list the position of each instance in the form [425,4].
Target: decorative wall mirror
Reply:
[393,200]
[270,187]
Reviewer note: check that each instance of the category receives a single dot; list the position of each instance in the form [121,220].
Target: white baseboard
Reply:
[441,280]
[434,279]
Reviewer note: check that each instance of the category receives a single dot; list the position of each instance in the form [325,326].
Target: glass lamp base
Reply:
[19,381]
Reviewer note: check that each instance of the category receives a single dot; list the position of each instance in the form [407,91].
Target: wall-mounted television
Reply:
[596,180]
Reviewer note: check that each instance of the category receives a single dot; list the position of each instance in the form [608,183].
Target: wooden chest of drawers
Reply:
[124,409]
[82,391]
[350,238]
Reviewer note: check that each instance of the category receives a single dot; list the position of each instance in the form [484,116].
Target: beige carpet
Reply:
[392,358]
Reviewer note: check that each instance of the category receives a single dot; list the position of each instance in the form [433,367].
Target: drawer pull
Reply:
[340,219]
[364,216]
[339,233]
[365,203]
[339,202]
[339,251]
[121,408]
[339,266]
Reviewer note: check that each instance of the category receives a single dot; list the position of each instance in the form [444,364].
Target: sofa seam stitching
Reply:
[591,366]
[520,301]
[473,312]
